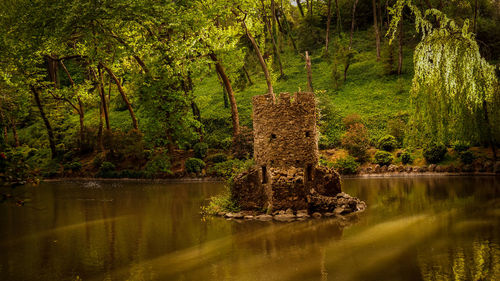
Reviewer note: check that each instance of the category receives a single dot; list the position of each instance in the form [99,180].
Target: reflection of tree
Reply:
[480,261]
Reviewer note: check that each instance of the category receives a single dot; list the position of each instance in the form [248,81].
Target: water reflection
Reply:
[414,229]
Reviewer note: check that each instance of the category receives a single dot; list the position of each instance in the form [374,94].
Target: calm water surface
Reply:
[434,228]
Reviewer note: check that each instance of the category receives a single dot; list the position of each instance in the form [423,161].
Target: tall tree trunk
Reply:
[380,21]
[50,132]
[377,32]
[103,98]
[299,5]
[4,125]
[348,59]
[288,30]
[475,17]
[400,47]
[14,132]
[52,70]
[224,92]
[122,93]
[353,21]
[229,89]
[329,19]
[79,110]
[309,73]
[261,61]
[275,47]
[339,20]
[247,75]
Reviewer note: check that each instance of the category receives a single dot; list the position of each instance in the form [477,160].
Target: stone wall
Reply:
[285,132]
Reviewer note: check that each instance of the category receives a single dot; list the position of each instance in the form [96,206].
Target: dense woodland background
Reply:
[122,88]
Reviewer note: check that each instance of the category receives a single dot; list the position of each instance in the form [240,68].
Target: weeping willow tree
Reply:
[455,93]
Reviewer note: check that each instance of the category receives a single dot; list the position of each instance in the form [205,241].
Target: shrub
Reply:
[356,141]
[346,166]
[229,168]
[107,170]
[467,157]
[51,169]
[98,160]
[132,174]
[200,150]
[382,157]
[218,141]
[158,164]
[221,203]
[73,166]
[397,127]
[217,158]
[434,153]
[351,119]
[406,157]
[387,143]
[461,146]
[194,165]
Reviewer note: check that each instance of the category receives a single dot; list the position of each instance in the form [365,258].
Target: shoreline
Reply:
[216,179]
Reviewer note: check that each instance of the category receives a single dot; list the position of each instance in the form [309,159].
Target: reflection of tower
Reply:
[285,132]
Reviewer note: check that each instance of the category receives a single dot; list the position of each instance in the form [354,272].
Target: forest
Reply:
[160,89]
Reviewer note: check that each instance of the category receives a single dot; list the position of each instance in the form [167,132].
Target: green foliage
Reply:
[434,153]
[217,158]
[194,165]
[221,203]
[346,166]
[406,157]
[397,127]
[387,143]
[73,166]
[159,164]
[382,158]
[356,141]
[330,123]
[98,160]
[107,170]
[200,150]
[467,157]
[454,87]
[310,34]
[14,168]
[229,168]
[351,120]
[460,146]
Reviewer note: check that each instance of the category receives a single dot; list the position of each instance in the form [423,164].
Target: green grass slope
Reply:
[375,96]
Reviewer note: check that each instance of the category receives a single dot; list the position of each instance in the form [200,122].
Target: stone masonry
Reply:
[286,174]
[285,132]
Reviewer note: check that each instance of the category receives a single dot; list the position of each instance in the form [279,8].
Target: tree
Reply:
[376,27]
[455,91]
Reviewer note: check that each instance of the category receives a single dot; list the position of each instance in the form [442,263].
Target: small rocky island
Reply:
[286,182]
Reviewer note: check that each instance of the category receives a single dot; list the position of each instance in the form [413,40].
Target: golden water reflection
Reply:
[434,228]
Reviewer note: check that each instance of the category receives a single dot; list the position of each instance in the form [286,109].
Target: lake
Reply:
[416,228]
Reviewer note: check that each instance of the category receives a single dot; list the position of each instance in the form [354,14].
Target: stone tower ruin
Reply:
[285,133]
[286,173]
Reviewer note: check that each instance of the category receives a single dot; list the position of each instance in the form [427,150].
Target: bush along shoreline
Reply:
[202,162]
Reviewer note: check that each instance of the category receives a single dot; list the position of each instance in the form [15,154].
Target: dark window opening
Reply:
[309,172]
[308,134]
[264,174]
